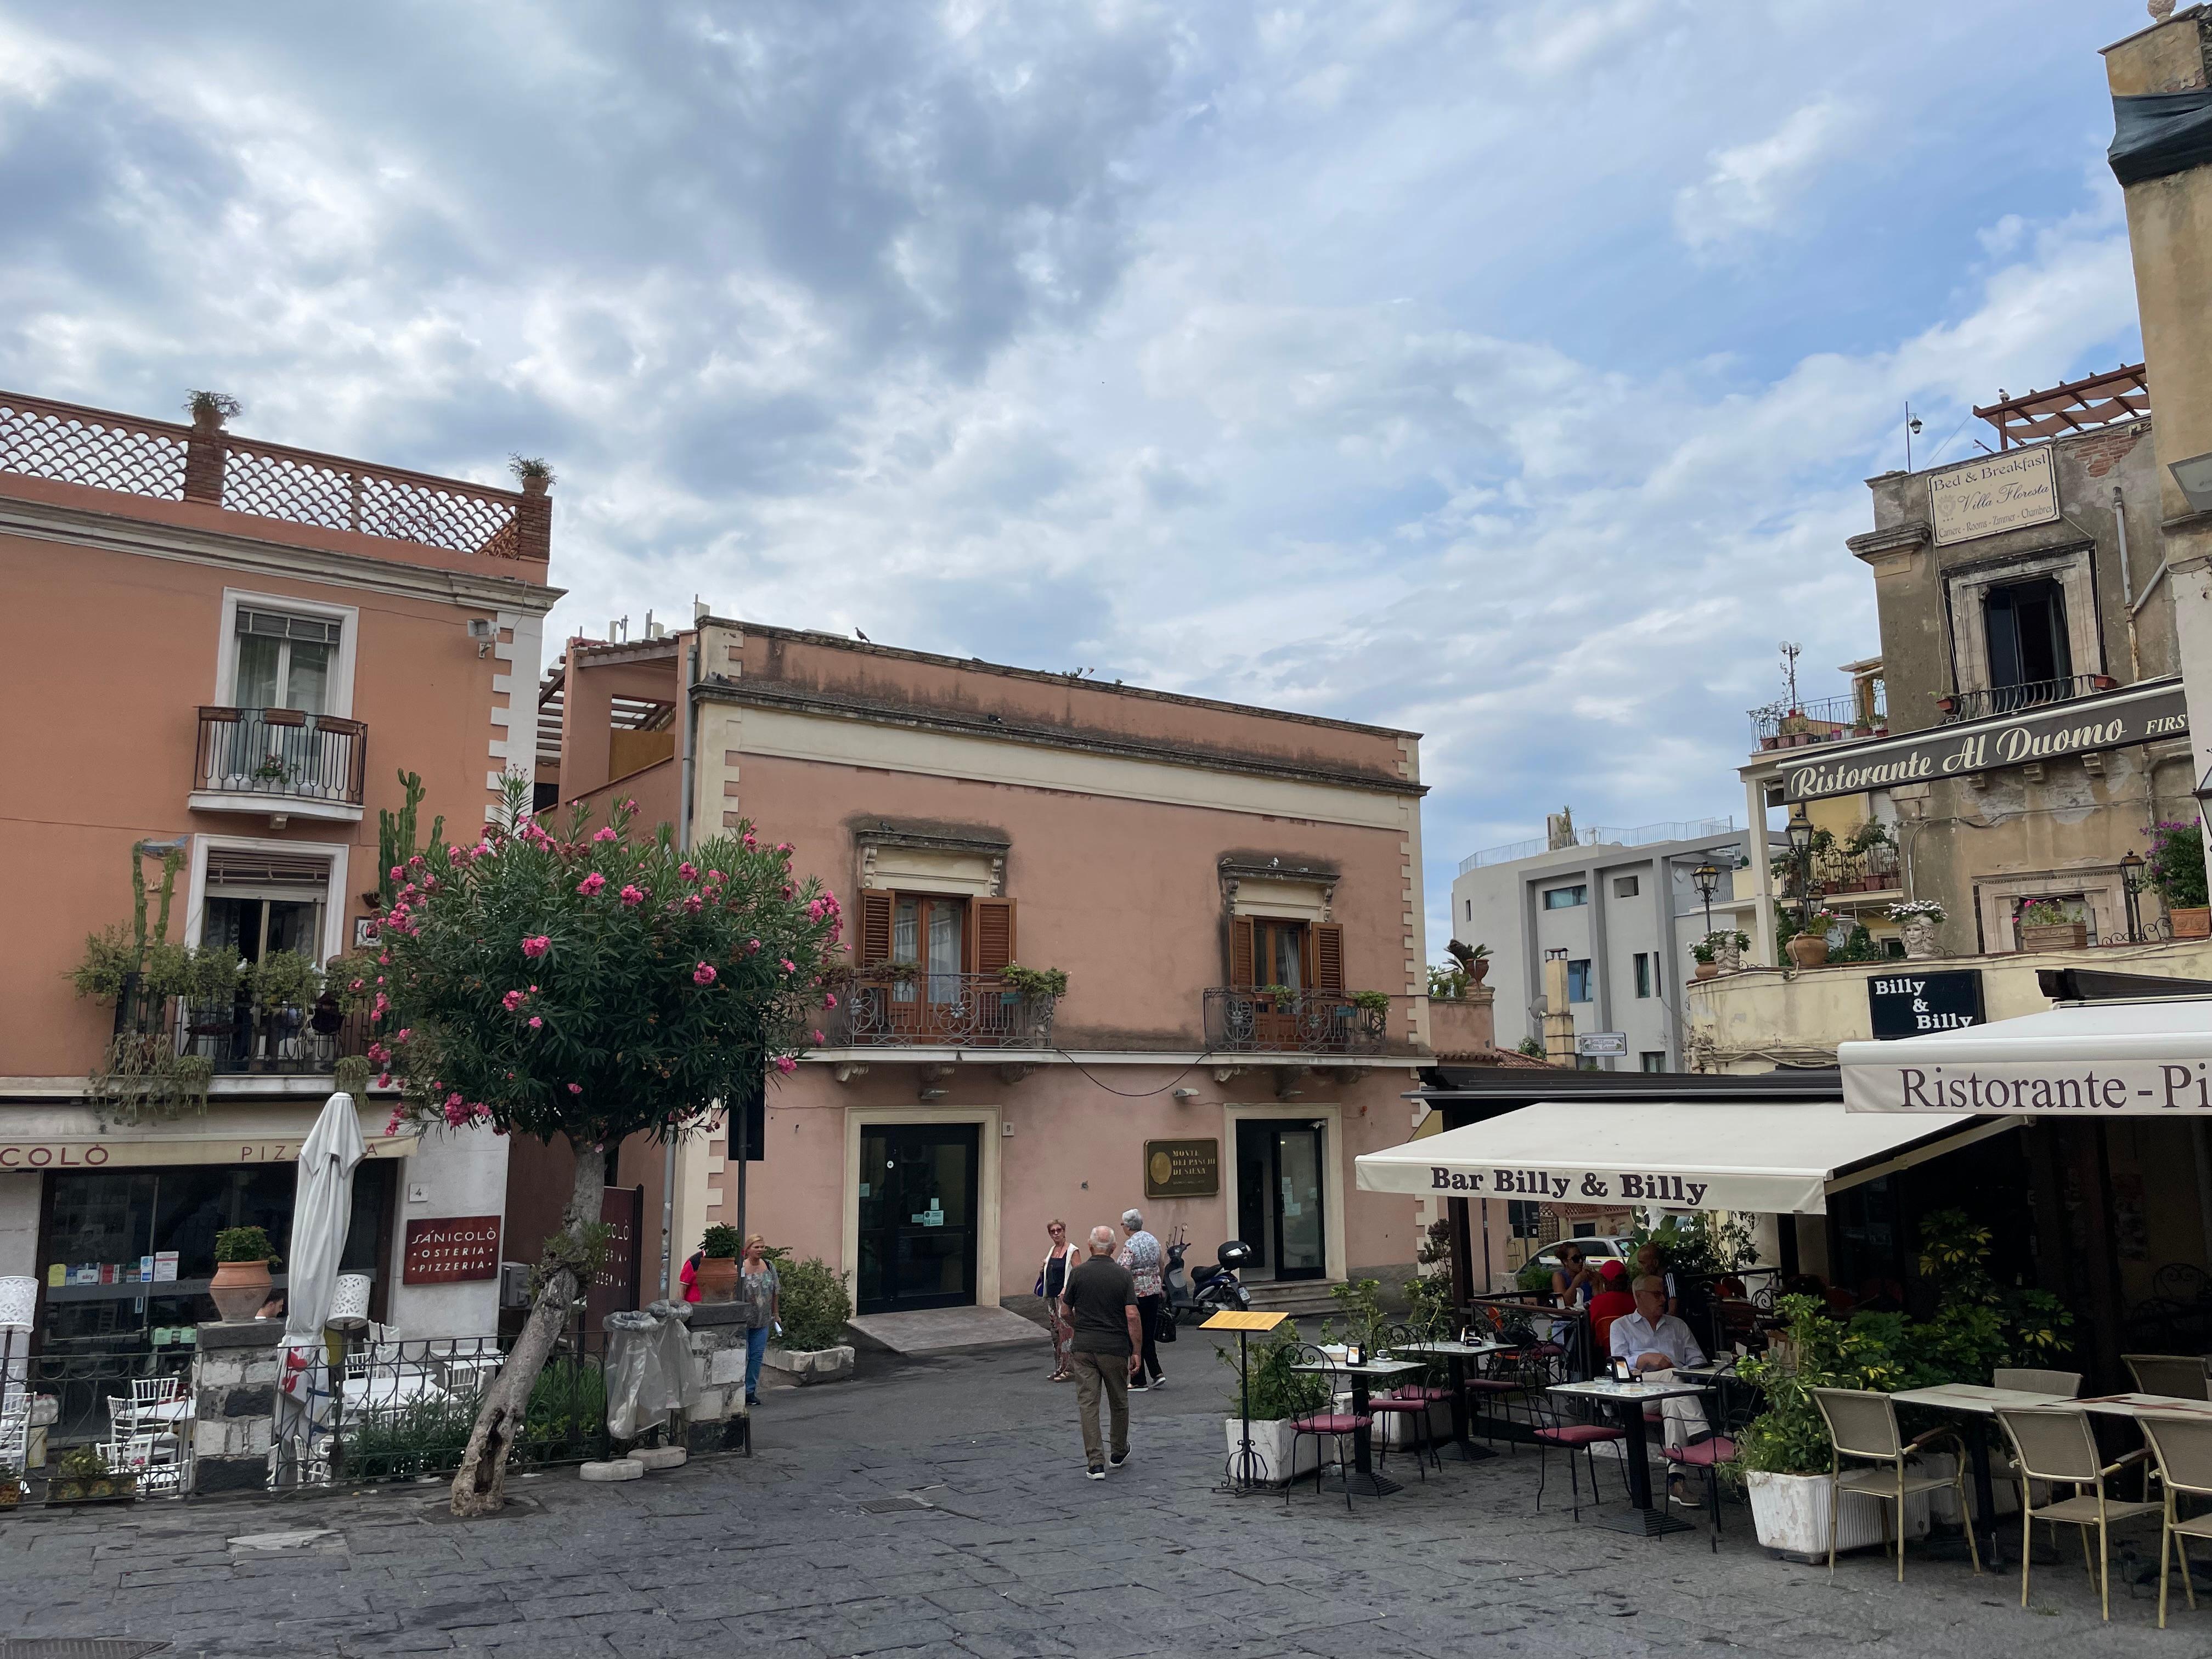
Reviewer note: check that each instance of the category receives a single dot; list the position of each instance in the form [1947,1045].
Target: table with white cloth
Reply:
[1629,1400]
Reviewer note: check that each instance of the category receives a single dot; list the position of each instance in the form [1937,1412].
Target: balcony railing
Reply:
[1239,1021]
[241,1037]
[2017,699]
[1839,871]
[925,1010]
[1827,719]
[281,753]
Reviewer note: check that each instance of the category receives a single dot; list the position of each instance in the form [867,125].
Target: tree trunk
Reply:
[480,1484]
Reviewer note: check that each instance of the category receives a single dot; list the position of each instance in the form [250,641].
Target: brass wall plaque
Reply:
[1182,1168]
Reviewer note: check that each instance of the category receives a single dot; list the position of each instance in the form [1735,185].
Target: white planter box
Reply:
[1790,1512]
[1271,1446]
[1398,1430]
[813,1365]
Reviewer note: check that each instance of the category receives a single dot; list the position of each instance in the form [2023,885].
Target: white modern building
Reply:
[1623,907]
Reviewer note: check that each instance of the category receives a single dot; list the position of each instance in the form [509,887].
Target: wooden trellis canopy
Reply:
[2121,394]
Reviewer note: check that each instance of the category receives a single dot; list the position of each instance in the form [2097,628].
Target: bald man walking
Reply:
[1100,1302]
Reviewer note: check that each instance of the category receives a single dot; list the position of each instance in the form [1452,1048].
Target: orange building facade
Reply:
[230,649]
[1233,893]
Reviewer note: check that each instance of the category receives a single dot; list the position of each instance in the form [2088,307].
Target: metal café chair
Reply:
[1863,1425]
[1554,1428]
[2178,1376]
[2182,1443]
[1326,1423]
[2058,1447]
[1410,1403]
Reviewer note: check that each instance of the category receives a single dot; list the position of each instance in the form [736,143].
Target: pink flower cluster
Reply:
[703,974]
[603,834]
[786,1064]
[512,1002]
[631,894]
[537,947]
[590,885]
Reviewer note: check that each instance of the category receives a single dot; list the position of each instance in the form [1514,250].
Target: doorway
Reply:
[917,1189]
[1279,1198]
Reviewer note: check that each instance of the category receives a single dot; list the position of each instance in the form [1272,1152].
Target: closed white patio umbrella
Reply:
[322,1206]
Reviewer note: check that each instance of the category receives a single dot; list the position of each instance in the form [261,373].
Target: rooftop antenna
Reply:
[1790,655]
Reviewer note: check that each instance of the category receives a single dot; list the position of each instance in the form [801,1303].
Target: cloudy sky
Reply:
[1504,371]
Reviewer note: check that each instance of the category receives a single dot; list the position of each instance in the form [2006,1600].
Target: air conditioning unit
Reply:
[514,1283]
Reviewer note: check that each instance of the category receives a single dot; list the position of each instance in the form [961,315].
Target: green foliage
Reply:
[1870,834]
[349,1075]
[113,952]
[1359,1305]
[596,984]
[140,1076]
[1790,1437]
[526,467]
[1705,1244]
[815,1306]
[1448,984]
[2044,913]
[207,976]
[243,1244]
[2175,869]
[285,979]
[1702,952]
[580,1253]
[1858,945]
[565,1421]
[1277,1391]
[721,1242]
[85,1462]
[1035,982]
[1532,1046]
[1431,1312]
[1373,1002]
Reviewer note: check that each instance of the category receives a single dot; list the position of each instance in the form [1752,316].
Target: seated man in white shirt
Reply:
[1654,1342]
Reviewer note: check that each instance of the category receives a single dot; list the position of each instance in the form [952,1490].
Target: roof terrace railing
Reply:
[163,460]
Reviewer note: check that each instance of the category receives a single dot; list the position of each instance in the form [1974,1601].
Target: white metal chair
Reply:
[154,1458]
[1862,1425]
[2058,1447]
[2182,1443]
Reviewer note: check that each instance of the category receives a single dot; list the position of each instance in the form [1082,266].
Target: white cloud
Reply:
[1753,187]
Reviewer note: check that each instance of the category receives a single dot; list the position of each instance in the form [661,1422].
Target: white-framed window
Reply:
[280,652]
[260,895]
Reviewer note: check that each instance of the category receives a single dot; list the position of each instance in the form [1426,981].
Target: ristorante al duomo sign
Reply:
[2143,713]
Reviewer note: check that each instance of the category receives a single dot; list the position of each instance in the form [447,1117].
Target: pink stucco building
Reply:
[1233,893]
[232,648]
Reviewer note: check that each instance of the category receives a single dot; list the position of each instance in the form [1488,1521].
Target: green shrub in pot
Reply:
[816,1307]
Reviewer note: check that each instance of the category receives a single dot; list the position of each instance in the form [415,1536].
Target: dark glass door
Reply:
[1279,1198]
[917,1195]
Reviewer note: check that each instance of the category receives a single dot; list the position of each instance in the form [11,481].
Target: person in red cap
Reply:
[1612,1301]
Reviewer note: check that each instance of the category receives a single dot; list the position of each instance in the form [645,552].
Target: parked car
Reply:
[1618,1247]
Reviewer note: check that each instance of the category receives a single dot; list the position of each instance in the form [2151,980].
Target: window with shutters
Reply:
[927,960]
[1275,951]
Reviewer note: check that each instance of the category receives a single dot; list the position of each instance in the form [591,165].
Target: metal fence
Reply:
[1239,1021]
[926,1010]
[53,1403]
[281,753]
[241,1037]
[402,1409]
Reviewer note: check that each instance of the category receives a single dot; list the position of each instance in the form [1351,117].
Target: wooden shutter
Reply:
[993,922]
[875,941]
[1240,952]
[1328,958]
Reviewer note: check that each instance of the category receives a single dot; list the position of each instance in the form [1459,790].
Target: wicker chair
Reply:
[2178,1375]
[1863,1426]
[2058,1447]
[2182,1443]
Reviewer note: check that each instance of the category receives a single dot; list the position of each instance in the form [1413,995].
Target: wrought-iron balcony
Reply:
[903,1008]
[1245,1021]
[1827,719]
[280,762]
[1839,871]
[2017,699]
[239,1037]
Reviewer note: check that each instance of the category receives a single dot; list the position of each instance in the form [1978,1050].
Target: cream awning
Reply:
[2148,1059]
[1771,1157]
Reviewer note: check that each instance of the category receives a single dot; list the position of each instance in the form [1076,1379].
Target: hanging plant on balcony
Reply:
[1036,983]
[285,979]
[1372,1002]
[2175,871]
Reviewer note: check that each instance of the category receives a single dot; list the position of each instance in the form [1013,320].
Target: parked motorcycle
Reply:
[1210,1290]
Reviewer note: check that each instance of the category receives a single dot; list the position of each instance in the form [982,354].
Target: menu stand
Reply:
[1245,1473]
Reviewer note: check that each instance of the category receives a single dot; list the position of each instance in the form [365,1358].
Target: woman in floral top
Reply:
[761,1291]
[1143,1257]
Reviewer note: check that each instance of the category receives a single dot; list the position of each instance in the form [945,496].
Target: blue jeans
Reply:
[755,1346]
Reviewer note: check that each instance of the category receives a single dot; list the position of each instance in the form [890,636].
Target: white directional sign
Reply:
[1598,1045]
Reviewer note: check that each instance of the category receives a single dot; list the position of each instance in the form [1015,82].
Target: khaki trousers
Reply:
[1109,1372]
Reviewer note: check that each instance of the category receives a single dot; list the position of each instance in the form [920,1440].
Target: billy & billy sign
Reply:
[1577,1186]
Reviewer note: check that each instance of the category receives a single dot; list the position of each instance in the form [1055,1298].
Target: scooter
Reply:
[1215,1289]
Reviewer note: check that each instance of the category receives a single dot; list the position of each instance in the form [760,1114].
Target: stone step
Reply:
[1304,1299]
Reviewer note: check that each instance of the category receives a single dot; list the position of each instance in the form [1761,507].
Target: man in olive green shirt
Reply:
[1100,1302]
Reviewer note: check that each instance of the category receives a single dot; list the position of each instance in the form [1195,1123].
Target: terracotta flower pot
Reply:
[1709,970]
[239,1289]
[1480,971]
[717,1278]
[2190,921]
[1809,949]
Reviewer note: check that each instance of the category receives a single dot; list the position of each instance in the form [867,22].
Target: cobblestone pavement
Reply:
[1017,1554]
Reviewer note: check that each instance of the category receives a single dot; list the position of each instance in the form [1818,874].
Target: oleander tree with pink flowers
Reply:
[596,983]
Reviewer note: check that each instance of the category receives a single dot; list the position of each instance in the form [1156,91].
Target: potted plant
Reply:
[285,979]
[2175,871]
[2045,925]
[811,1346]
[11,1485]
[716,1275]
[1784,1457]
[242,1259]
[1276,1396]
[81,1476]
[1725,947]
[1917,921]
[1703,955]
[1809,947]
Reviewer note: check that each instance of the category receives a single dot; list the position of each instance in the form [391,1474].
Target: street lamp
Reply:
[2131,882]
[1707,878]
[1801,853]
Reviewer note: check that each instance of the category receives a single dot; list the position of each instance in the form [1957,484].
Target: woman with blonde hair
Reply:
[760,1290]
[1051,1279]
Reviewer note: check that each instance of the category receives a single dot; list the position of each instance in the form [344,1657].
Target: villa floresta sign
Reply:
[2142,715]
